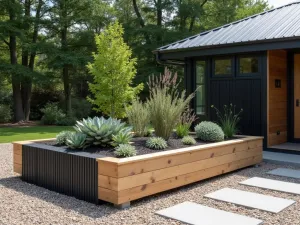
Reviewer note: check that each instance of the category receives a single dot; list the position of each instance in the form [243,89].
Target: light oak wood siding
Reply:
[17,158]
[140,176]
[297,96]
[277,97]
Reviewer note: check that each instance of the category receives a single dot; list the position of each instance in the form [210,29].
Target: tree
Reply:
[113,70]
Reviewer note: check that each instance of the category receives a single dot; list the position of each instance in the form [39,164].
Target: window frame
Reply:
[204,105]
[214,59]
[258,73]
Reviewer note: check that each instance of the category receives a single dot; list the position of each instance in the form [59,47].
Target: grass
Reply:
[11,134]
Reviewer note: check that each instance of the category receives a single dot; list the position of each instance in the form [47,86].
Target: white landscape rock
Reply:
[252,200]
[196,214]
[283,172]
[275,185]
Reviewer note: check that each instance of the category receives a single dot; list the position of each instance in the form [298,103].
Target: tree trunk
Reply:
[159,20]
[65,74]
[192,23]
[141,21]
[26,81]
[16,84]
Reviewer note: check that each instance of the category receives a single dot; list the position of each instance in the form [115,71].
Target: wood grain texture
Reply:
[145,177]
[297,96]
[277,97]
[17,158]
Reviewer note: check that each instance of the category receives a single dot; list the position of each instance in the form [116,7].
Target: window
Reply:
[223,67]
[248,65]
[200,85]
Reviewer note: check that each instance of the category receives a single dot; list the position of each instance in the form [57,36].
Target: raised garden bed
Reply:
[91,176]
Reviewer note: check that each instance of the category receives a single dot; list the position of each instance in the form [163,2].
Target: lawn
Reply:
[10,134]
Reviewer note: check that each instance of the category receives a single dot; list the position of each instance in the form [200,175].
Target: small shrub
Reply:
[76,141]
[228,119]
[182,130]
[209,131]
[156,143]
[52,114]
[5,113]
[81,108]
[62,137]
[125,150]
[188,140]
[138,117]
[123,137]
[66,121]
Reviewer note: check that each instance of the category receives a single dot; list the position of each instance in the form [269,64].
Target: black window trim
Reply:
[238,57]
[223,75]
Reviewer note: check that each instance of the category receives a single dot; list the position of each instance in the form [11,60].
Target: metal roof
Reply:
[275,24]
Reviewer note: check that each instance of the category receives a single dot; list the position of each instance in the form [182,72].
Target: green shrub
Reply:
[209,131]
[228,119]
[5,113]
[52,114]
[100,131]
[76,141]
[156,143]
[123,137]
[125,150]
[81,108]
[186,120]
[138,118]
[62,137]
[188,140]
[182,130]
[166,103]
[66,121]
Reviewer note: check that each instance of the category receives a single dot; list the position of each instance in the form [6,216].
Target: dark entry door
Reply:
[297,96]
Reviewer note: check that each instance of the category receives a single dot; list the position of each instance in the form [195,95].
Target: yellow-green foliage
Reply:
[113,70]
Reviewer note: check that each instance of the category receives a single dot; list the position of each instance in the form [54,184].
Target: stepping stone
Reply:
[285,173]
[273,185]
[252,200]
[281,158]
[195,214]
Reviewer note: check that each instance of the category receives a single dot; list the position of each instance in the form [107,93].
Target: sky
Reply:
[277,3]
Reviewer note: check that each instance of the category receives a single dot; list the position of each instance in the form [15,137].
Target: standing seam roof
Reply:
[281,22]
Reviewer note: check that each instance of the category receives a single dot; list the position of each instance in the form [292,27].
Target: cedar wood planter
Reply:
[120,181]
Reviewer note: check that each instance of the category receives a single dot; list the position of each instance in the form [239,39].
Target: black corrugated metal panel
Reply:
[56,170]
[276,24]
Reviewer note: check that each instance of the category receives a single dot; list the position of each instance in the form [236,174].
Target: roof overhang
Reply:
[181,54]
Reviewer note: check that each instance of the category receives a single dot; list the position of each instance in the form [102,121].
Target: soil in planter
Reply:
[138,142]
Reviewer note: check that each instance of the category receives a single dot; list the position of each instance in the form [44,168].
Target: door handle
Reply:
[297,103]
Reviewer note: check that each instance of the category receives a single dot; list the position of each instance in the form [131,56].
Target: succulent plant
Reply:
[76,141]
[156,143]
[100,131]
[188,140]
[209,131]
[123,137]
[125,150]
[62,137]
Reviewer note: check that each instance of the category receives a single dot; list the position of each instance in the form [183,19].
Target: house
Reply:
[253,63]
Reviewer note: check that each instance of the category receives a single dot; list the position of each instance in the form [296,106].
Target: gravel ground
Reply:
[23,203]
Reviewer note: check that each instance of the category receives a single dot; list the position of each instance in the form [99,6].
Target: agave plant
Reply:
[123,137]
[76,141]
[100,131]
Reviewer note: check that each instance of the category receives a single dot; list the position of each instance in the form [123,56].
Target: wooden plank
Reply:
[297,96]
[277,97]
[109,167]
[153,188]
[18,168]
[17,148]
[18,159]
[108,195]
[118,184]
[164,161]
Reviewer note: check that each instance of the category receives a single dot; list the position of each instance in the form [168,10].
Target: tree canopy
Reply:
[46,44]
